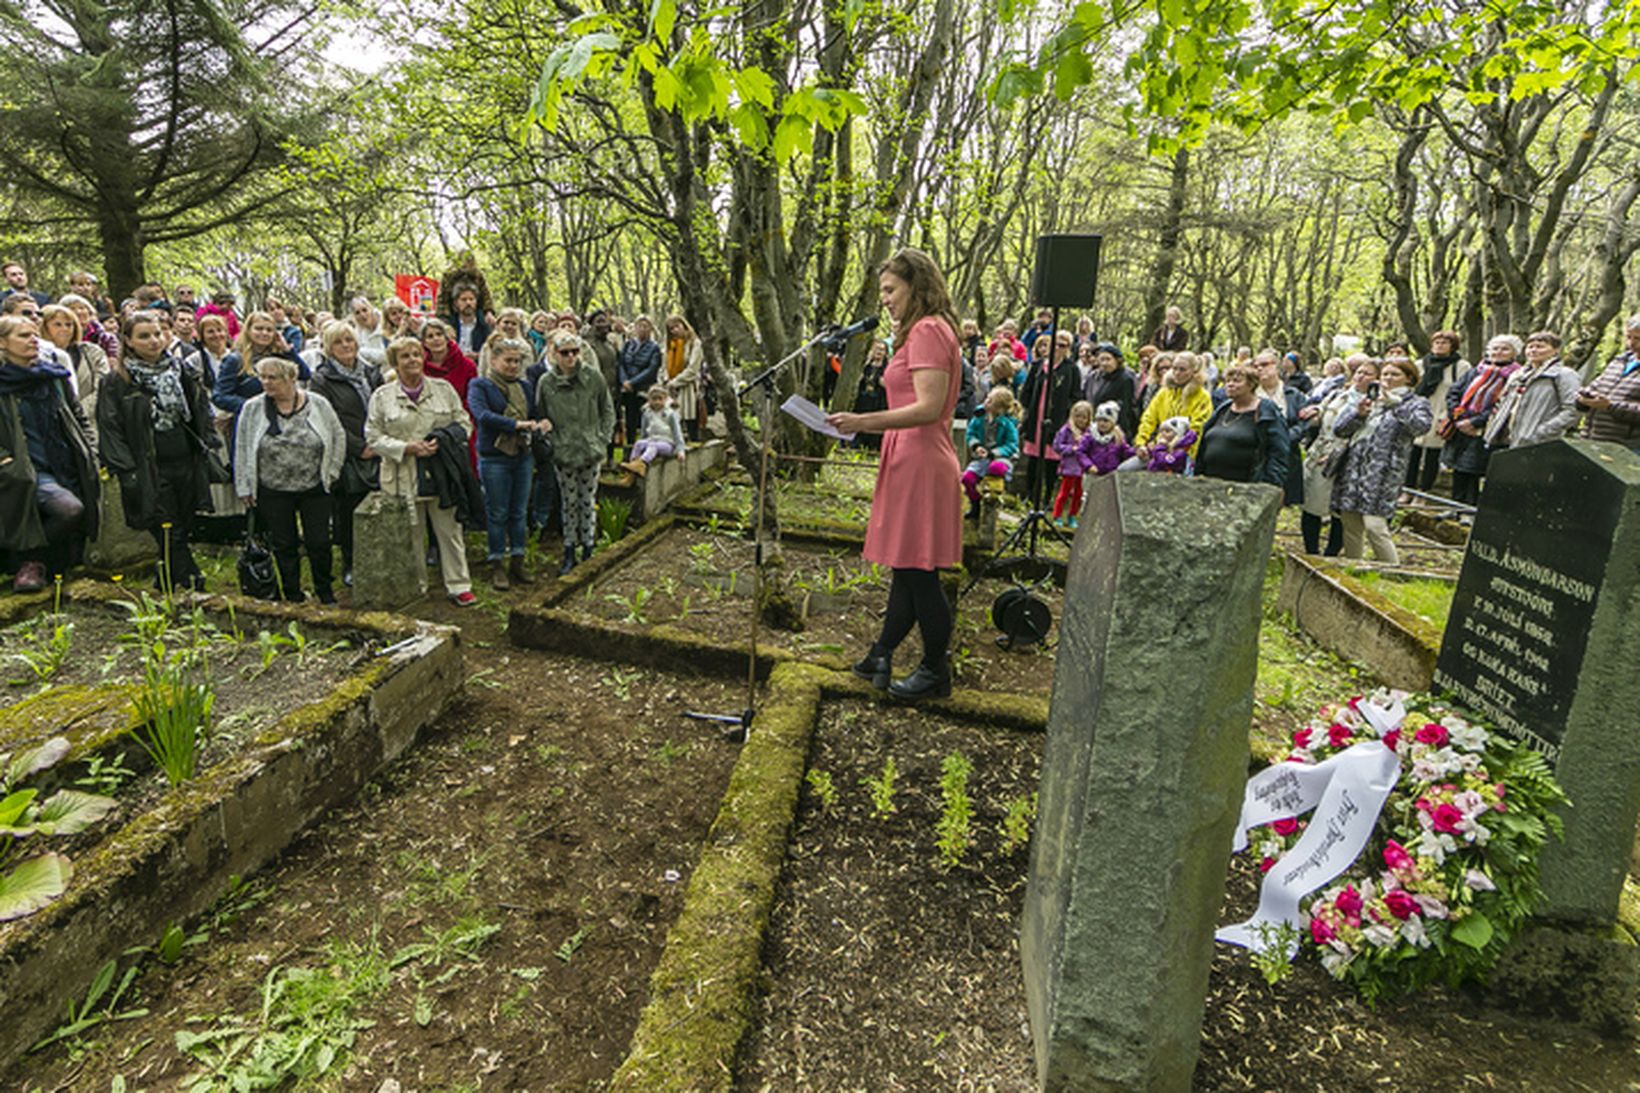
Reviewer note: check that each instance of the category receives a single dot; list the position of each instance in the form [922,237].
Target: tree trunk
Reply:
[122,251]
[1167,246]
[1617,245]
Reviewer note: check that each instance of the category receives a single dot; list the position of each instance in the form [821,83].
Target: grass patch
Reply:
[1430,600]
[1295,676]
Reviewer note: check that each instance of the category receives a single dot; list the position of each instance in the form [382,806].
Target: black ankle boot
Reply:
[923,683]
[875,669]
[569,561]
[586,553]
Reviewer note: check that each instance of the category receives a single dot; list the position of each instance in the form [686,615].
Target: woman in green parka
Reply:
[48,474]
[154,428]
[571,395]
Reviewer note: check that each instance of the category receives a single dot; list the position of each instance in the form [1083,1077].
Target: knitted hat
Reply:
[1107,347]
[1108,411]
[1178,426]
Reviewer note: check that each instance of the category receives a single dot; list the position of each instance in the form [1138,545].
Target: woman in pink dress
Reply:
[916,510]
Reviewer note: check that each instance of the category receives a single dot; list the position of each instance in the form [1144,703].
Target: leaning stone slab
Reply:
[1542,638]
[116,546]
[175,859]
[1143,774]
[388,571]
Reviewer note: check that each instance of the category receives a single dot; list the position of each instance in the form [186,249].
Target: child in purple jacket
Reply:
[1106,447]
[1170,454]
[1071,443]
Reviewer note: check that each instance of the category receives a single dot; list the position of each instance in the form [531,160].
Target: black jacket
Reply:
[125,442]
[20,526]
[448,475]
[481,332]
[1064,388]
[1115,387]
[1273,445]
[359,475]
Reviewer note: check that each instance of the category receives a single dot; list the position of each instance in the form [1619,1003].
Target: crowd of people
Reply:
[500,419]
[1348,446]
[485,420]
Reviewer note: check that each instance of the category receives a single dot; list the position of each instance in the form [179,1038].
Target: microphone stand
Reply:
[762,382]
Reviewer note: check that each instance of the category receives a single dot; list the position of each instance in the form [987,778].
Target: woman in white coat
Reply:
[403,411]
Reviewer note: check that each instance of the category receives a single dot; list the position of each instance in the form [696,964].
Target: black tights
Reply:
[916,598]
[1310,524]
[1423,468]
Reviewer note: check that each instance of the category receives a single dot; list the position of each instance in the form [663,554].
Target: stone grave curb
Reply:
[703,992]
[602,564]
[667,647]
[1345,617]
[976,547]
[1447,531]
[174,860]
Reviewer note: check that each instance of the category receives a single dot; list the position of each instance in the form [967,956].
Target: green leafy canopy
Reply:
[689,75]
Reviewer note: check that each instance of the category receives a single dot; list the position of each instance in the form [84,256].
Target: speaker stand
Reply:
[1037,521]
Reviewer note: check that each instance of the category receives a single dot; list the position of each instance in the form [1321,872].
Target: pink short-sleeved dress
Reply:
[916,508]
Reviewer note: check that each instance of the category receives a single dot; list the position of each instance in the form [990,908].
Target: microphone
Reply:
[861,326]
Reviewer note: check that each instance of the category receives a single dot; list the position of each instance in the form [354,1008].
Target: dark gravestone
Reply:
[1142,776]
[1543,639]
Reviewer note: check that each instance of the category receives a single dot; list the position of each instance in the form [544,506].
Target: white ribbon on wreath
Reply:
[1346,792]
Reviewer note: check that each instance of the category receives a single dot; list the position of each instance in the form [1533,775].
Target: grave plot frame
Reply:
[175,859]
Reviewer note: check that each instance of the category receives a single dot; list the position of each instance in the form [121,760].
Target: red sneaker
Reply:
[463,599]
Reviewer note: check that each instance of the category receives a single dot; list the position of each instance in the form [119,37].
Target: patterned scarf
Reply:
[1483,390]
[163,383]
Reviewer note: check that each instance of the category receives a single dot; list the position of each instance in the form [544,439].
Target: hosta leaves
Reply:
[69,811]
[32,761]
[14,806]
[33,884]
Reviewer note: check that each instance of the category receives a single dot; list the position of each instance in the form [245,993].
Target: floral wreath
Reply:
[1450,871]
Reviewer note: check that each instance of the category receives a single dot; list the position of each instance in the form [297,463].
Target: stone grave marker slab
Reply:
[388,571]
[1542,641]
[1142,777]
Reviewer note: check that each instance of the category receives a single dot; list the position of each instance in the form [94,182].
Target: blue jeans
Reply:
[506,501]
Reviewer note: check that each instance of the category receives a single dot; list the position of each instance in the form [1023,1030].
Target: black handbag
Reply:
[257,577]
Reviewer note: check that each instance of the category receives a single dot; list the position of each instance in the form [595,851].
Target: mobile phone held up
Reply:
[1373,390]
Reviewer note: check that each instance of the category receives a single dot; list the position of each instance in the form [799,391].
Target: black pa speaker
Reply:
[1067,269]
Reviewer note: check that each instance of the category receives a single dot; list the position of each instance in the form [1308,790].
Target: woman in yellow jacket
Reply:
[1181,396]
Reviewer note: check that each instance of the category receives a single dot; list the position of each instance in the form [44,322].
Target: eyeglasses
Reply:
[29,314]
[569,352]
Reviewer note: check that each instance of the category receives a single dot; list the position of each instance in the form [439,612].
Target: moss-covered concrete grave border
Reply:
[553,628]
[1344,616]
[175,859]
[703,992]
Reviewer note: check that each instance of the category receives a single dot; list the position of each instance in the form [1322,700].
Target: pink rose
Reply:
[1338,735]
[1266,865]
[1285,827]
[1355,703]
[1392,739]
[1446,819]
[1320,932]
[1434,734]
[1349,903]
[1396,857]
[1301,738]
[1401,905]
